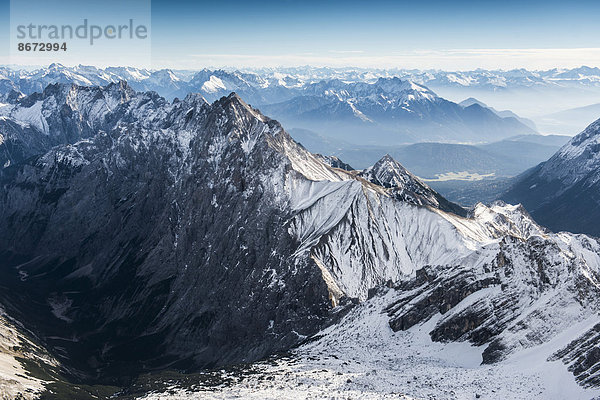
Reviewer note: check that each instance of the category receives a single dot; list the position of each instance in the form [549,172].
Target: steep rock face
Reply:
[207,224]
[203,223]
[142,248]
[582,356]
[9,92]
[19,141]
[562,193]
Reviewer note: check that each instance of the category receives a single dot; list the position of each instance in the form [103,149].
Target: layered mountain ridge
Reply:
[188,235]
[355,108]
[390,111]
[404,186]
[136,174]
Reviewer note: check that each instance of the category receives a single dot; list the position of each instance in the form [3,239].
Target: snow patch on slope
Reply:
[362,358]
[213,85]
[15,381]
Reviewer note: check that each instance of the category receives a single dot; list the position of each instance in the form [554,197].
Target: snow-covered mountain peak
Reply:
[213,84]
[164,75]
[505,219]
[577,159]
[239,125]
[219,81]
[397,86]
[387,89]
[404,186]
[388,172]
[582,142]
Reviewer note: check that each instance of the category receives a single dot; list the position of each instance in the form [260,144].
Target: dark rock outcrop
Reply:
[583,357]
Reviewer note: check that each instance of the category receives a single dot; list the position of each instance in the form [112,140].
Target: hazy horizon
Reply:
[499,89]
[379,34]
[226,67]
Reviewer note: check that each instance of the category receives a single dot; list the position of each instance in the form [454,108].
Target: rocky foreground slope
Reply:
[189,235]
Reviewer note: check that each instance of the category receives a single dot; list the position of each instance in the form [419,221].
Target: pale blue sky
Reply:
[415,34]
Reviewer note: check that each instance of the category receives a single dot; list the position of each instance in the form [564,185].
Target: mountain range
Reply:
[384,110]
[534,94]
[391,111]
[585,79]
[142,235]
[540,95]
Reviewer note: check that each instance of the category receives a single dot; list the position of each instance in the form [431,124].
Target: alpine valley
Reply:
[189,247]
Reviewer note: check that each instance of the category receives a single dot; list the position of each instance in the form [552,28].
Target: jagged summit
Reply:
[68,92]
[194,98]
[576,159]
[403,185]
[234,100]
[389,173]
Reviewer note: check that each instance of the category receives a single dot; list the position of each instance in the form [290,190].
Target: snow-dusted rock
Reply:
[187,235]
[562,193]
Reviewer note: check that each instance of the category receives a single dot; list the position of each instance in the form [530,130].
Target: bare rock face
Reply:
[61,114]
